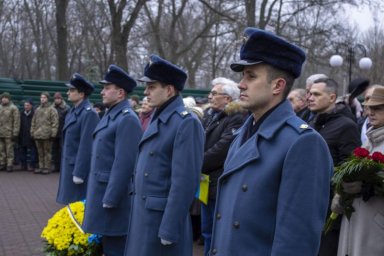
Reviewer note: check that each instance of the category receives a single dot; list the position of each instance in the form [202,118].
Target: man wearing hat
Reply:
[114,151]
[62,109]
[45,123]
[168,167]
[79,124]
[273,194]
[9,130]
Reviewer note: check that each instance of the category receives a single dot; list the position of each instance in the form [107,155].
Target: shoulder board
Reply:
[184,113]
[125,110]
[88,108]
[299,125]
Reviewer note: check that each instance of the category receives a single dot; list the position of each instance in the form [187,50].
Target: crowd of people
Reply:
[269,153]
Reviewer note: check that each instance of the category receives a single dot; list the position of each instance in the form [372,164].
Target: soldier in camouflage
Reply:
[9,130]
[45,123]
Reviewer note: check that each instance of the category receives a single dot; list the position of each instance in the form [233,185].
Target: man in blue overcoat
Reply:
[114,151]
[272,197]
[168,168]
[78,127]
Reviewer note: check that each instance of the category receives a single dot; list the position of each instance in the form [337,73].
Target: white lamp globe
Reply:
[336,61]
[365,63]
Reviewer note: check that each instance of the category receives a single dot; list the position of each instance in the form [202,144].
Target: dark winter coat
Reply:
[218,137]
[339,131]
[25,139]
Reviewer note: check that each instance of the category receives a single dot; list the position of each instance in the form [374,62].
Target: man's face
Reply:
[58,101]
[156,94]
[74,95]
[296,102]
[43,99]
[27,106]
[255,90]
[111,95]
[4,101]
[321,100]
[217,98]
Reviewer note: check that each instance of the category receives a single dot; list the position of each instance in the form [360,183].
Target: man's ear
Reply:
[278,86]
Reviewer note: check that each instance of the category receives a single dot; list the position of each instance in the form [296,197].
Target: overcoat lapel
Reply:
[241,155]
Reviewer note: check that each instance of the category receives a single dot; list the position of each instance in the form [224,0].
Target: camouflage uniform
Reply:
[9,130]
[45,123]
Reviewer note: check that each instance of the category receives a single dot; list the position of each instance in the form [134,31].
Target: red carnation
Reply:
[361,152]
[378,157]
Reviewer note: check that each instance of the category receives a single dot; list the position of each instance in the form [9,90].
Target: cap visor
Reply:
[105,82]
[70,86]
[239,65]
[146,79]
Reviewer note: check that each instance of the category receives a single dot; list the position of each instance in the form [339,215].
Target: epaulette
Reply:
[299,125]
[125,111]
[184,113]
[88,108]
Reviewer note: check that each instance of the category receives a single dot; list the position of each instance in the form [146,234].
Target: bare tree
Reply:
[62,72]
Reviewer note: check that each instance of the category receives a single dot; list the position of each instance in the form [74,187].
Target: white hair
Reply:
[229,87]
[189,102]
[311,79]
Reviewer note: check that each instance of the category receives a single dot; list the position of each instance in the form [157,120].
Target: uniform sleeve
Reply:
[33,124]
[83,158]
[303,197]
[16,122]
[54,122]
[127,138]
[187,159]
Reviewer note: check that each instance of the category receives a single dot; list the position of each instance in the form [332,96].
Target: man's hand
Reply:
[165,242]
[77,180]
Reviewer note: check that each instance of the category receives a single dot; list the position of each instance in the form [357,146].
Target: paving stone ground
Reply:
[27,201]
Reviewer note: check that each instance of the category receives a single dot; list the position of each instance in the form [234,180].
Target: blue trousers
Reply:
[207,212]
[113,245]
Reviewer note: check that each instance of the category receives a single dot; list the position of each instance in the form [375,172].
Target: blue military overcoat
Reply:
[166,179]
[76,152]
[273,195]
[114,151]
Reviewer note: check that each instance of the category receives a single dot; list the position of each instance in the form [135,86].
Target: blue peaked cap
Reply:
[81,84]
[261,46]
[116,75]
[160,70]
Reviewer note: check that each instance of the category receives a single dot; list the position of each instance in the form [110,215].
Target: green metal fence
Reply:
[24,89]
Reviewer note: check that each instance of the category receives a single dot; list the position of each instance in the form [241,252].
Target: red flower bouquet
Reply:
[361,166]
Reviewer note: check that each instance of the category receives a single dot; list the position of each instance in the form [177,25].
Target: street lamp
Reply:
[365,63]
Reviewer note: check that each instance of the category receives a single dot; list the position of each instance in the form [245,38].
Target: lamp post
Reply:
[365,63]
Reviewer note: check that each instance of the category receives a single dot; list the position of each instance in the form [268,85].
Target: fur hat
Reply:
[116,75]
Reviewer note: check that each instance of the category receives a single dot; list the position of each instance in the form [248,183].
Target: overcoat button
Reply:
[218,216]
[151,153]
[236,224]
[214,251]
[244,187]
[144,197]
[145,174]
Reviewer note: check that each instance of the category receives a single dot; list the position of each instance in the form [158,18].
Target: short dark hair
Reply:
[330,84]
[273,73]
